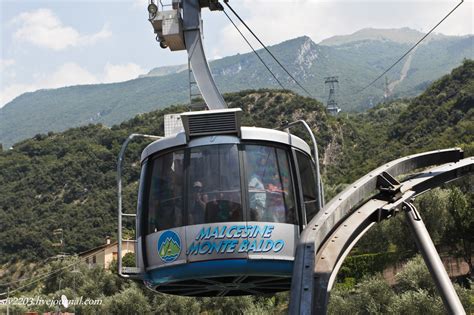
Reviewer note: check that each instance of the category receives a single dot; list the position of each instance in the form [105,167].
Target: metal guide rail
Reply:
[330,236]
[126,272]
[319,182]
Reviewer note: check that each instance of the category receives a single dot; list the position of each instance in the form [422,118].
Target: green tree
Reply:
[416,302]
[414,293]
[172,304]
[130,301]
[371,296]
[415,276]
[460,234]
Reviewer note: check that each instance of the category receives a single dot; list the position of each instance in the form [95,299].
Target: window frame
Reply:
[301,214]
[289,151]
[289,156]
[315,178]
[146,190]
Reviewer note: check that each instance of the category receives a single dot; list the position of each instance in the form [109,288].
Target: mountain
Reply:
[67,180]
[440,117]
[399,35]
[356,62]
[162,71]
[170,249]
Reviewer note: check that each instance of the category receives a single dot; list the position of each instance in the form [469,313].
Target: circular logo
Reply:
[169,246]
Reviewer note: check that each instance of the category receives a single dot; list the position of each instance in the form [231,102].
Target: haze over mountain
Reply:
[356,59]
[399,35]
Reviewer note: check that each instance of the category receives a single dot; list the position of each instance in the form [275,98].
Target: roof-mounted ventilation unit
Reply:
[212,122]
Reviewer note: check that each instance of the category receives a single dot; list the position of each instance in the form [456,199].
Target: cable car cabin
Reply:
[221,207]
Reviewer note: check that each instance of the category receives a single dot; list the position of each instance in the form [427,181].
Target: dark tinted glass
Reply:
[214,185]
[165,201]
[308,183]
[270,189]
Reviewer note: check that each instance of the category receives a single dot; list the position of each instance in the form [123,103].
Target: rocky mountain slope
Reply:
[356,60]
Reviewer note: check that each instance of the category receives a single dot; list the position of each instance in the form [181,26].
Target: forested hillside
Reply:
[356,61]
[441,117]
[67,180]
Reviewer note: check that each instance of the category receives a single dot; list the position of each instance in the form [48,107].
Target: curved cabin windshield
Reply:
[165,199]
[212,189]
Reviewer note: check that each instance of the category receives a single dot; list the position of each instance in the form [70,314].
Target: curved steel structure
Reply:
[329,237]
[197,57]
[186,33]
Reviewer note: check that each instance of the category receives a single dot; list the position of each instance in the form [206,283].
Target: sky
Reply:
[51,44]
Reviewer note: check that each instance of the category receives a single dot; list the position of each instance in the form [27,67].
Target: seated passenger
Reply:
[276,211]
[235,207]
[258,197]
[198,204]
[218,209]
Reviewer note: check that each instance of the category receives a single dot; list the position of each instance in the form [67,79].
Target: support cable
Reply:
[250,45]
[410,50]
[41,276]
[265,47]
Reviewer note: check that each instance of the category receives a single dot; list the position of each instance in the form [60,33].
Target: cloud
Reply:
[43,28]
[140,4]
[70,74]
[121,72]
[6,72]
[5,63]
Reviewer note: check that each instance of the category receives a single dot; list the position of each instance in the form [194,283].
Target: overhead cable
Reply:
[250,45]
[410,50]
[265,47]
[42,276]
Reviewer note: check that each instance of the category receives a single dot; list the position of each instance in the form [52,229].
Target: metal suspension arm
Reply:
[197,58]
[186,33]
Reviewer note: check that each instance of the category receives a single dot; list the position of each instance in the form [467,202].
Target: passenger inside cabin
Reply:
[165,201]
[269,184]
[256,186]
[199,204]
[276,209]
[224,207]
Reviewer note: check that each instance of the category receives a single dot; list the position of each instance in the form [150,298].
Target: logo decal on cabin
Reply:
[169,246]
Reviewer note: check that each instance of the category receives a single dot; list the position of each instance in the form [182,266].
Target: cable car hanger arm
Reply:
[180,33]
